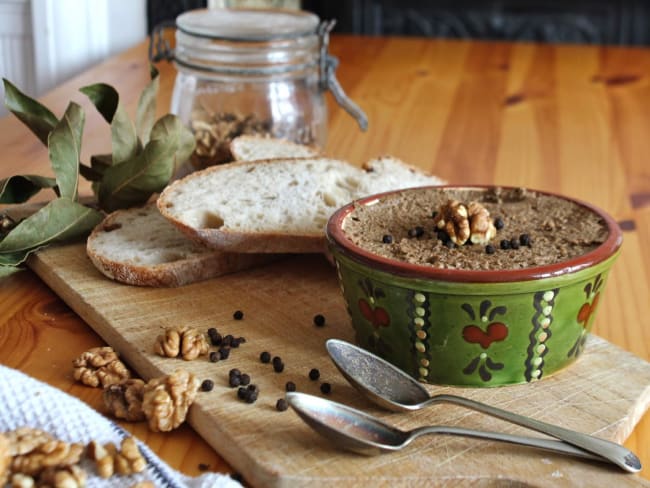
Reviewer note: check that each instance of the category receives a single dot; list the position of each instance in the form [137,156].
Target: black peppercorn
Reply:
[417,231]
[450,244]
[238,315]
[235,342]
[290,386]
[227,340]
[524,240]
[215,337]
[214,356]
[234,381]
[319,320]
[442,236]
[514,243]
[265,357]
[489,249]
[244,379]
[242,392]
[499,223]
[326,388]
[281,405]
[224,352]
[278,366]
[314,374]
[234,372]
[207,385]
[504,244]
[387,239]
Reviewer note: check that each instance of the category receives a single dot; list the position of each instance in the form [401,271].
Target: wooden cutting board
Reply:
[604,393]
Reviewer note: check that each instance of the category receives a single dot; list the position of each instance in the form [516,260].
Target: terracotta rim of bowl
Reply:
[337,238]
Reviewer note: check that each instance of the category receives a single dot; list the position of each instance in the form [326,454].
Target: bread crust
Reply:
[198,267]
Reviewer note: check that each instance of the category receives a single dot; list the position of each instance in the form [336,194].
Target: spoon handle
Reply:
[546,444]
[615,453]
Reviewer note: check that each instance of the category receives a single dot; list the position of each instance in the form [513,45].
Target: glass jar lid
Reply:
[248,24]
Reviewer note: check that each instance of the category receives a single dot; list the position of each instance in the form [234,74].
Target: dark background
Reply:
[624,22]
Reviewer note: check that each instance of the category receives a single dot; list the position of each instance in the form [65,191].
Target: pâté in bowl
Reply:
[473,285]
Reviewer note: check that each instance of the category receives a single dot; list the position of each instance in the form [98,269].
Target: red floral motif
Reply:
[587,310]
[378,316]
[495,332]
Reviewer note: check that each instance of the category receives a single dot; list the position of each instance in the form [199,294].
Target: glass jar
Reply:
[251,71]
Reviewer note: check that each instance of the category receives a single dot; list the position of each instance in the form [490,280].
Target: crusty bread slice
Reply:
[255,147]
[275,205]
[139,247]
[387,173]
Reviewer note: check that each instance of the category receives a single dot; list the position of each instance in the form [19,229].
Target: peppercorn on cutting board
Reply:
[605,392]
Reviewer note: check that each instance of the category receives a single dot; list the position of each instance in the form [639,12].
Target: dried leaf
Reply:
[33,114]
[20,188]
[60,220]
[64,147]
[104,97]
[133,182]
[124,140]
[169,128]
[146,112]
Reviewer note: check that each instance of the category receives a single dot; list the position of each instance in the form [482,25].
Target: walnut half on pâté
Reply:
[465,223]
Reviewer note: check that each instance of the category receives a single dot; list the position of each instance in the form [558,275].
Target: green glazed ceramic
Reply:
[471,328]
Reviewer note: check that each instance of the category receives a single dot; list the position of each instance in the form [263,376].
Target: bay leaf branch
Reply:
[20,188]
[64,147]
[36,116]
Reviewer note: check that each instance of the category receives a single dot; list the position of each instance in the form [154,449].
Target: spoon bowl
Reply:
[356,431]
[388,387]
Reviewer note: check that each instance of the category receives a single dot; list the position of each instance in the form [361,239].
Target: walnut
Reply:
[99,366]
[24,440]
[20,480]
[186,342]
[453,219]
[108,460]
[48,454]
[482,228]
[66,477]
[124,400]
[5,458]
[129,460]
[168,398]
[103,457]
[143,484]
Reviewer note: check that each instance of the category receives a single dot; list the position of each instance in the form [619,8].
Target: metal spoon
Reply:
[391,388]
[359,432]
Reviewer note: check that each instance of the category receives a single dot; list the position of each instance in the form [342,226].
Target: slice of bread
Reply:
[255,147]
[275,205]
[387,173]
[139,247]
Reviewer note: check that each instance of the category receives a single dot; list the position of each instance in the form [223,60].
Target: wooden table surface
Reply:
[570,119]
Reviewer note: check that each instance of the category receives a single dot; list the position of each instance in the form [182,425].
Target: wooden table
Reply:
[570,119]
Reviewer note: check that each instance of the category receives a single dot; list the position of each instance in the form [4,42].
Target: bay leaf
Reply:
[169,128]
[133,182]
[10,262]
[60,220]
[146,111]
[124,140]
[64,147]
[104,97]
[20,188]
[36,116]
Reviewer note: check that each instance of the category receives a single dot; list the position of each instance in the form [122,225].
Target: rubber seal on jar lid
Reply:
[248,24]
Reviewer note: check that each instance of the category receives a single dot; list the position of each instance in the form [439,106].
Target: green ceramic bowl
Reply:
[466,327]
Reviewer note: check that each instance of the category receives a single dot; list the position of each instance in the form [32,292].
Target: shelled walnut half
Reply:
[124,400]
[185,342]
[464,223]
[168,398]
[100,366]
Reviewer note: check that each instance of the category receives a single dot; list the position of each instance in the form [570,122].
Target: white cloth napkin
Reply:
[25,401]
